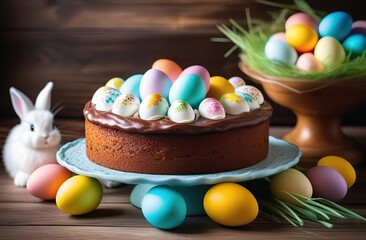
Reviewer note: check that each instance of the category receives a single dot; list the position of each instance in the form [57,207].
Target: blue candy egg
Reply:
[278,50]
[164,207]
[190,88]
[336,24]
[132,85]
[355,44]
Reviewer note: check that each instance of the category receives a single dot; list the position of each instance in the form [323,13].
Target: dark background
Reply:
[80,44]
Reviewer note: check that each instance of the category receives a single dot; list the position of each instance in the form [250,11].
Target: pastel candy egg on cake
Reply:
[181,112]
[200,71]
[155,81]
[126,105]
[234,104]
[249,99]
[219,86]
[153,107]
[211,108]
[169,67]
[115,83]
[104,98]
[258,96]
[236,81]
[132,85]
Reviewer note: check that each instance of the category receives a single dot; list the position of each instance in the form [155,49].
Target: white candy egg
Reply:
[126,105]
[234,104]
[104,98]
[115,83]
[253,104]
[236,81]
[258,96]
[211,108]
[181,112]
[153,107]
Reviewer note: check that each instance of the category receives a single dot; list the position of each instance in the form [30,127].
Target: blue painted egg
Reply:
[336,24]
[278,50]
[355,44]
[132,85]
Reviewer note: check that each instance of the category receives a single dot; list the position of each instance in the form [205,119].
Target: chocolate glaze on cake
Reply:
[165,147]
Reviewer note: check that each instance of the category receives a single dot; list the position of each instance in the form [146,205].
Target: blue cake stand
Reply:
[281,156]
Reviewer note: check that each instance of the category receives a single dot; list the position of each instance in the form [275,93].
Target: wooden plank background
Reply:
[80,44]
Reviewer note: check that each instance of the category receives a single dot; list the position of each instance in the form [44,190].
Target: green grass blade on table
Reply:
[344,211]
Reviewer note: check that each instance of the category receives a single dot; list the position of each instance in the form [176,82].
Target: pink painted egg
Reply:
[236,81]
[309,63]
[211,108]
[301,18]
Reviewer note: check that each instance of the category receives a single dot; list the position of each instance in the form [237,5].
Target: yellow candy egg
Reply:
[292,181]
[218,87]
[115,83]
[79,195]
[230,204]
[303,38]
[342,166]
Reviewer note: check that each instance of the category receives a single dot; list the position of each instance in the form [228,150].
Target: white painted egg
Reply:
[104,98]
[253,104]
[181,112]
[153,107]
[258,96]
[115,83]
[126,105]
[234,104]
[211,108]
[236,81]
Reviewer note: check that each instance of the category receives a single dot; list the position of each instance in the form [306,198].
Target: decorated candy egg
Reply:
[309,63]
[234,104]
[278,50]
[132,85]
[258,96]
[200,71]
[126,105]
[236,81]
[303,38]
[104,98]
[253,104]
[153,107]
[169,67]
[336,24]
[219,86]
[115,83]
[190,88]
[329,51]
[181,112]
[301,18]
[155,81]
[211,108]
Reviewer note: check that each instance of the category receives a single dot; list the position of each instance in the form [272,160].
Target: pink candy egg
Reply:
[200,71]
[211,108]
[308,62]
[327,183]
[301,18]
[155,81]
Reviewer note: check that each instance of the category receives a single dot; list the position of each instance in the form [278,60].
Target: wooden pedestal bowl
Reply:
[318,106]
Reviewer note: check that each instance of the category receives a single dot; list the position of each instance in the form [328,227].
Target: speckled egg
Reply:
[336,24]
[153,107]
[258,96]
[329,51]
[249,99]
[234,104]
[181,112]
[211,108]
[115,83]
[155,81]
[132,85]
[104,98]
[126,105]
[236,81]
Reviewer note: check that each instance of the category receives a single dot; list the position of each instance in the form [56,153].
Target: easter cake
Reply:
[196,125]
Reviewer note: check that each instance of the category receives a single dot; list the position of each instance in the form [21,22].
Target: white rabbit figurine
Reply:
[35,141]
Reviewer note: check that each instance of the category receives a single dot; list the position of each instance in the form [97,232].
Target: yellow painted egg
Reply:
[115,83]
[329,51]
[218,87]
[79,195]
[303,38]
[342,166]
[230,204]
[292,181]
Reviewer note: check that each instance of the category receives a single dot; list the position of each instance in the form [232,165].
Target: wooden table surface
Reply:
[23,216]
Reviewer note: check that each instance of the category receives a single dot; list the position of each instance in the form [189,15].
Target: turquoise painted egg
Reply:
[355,44]
[132,85]
[200,71]
[155,81]
[278,50]
[336,24]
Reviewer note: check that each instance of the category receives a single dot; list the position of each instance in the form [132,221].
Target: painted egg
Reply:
[329,51]
[278,36]
[234,104]
[45,181]
[236,81]
[303,38]
[359,27]
[230,204]
[132,85]
[278,50]
[126,105]
[309,63]
[155,81]
[249,99]
[164,207]
[115,83]
[200,71]
[342,166]
[211,108]
[290,181]
[104,98]
[181,112]
[258,96]
[219,86]
[169,67]
[336,24]
[190,88]
[301,18]
[153,107]
[355,44]
[79,195]
[327,183]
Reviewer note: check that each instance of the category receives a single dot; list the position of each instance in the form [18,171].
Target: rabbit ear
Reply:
[43,101]
[21,103]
